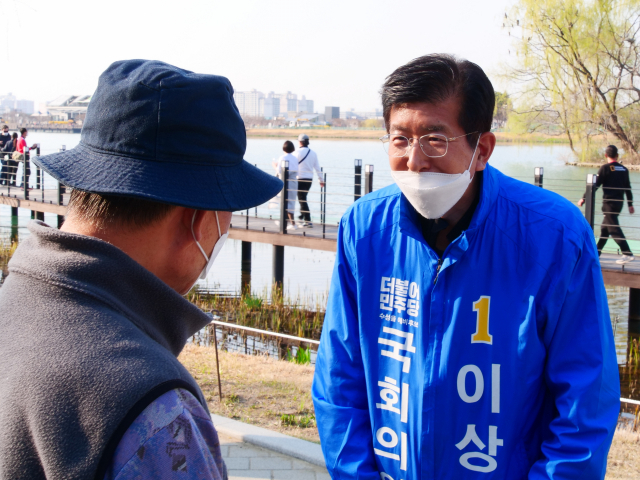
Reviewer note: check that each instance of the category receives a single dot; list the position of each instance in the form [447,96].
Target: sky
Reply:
[335,52]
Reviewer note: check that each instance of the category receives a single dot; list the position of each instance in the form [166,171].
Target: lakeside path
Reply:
[352,134]
[245,460]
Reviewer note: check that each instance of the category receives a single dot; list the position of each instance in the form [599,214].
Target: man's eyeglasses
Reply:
[433,145]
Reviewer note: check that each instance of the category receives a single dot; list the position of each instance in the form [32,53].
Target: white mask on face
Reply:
[216,249]
[433,194]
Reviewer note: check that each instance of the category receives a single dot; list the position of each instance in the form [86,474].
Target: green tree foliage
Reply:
[578,70]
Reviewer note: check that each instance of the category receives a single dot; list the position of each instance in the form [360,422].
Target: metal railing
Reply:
[23,178]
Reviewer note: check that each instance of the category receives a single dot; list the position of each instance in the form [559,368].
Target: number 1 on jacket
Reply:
[482,335]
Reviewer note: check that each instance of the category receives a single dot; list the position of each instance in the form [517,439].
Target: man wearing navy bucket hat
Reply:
[94,311]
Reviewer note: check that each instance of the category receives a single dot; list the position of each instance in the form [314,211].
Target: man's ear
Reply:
[194,218]
[485,148]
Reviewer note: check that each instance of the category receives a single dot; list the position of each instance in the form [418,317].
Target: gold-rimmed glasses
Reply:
[433,145]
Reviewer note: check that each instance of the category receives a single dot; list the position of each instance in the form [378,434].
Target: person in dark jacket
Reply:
[5,137]
[614,179]
[10,166]
[93,315]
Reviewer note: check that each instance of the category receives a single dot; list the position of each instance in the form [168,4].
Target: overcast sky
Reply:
[336,52]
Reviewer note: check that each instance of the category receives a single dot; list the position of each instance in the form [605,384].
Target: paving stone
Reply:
[301,464]
[249,474]
[237,463]
[244,450]
[271,463]
[294,475]
[246,461]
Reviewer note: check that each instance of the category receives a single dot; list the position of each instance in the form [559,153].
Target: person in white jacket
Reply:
[292,182]
[307,163]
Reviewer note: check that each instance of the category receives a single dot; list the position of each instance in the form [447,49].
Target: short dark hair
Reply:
[611,151]
[5,126]
[436,78]
[22,130]
[288,146]
[15,135]
[102,211]
[304,143]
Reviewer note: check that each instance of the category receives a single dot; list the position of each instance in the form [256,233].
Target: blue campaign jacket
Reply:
[499,364]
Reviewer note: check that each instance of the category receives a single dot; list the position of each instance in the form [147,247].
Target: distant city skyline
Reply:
[10,102]
[255,103]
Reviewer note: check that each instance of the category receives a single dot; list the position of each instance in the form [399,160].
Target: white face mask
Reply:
[216,249]
[433,194]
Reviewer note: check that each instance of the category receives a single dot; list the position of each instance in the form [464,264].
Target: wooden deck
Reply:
[621,275]
[264,230]
[260,230]
[38,201]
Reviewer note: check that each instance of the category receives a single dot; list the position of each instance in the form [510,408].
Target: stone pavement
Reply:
[247,461]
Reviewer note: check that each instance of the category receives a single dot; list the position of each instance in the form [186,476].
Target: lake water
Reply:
[308,272]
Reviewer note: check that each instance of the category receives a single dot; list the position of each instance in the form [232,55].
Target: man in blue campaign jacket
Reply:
[467,333]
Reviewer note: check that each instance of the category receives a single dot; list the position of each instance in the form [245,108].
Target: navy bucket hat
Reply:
[157,132]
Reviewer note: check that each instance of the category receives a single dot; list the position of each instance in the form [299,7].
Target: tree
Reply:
[501,110]
[372,123]
[578,68]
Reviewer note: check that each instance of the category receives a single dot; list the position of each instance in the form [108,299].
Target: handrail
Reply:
[263,332]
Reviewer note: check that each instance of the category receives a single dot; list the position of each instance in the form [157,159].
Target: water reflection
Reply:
[233,340]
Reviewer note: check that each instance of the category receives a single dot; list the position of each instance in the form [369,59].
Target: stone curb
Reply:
[277,442]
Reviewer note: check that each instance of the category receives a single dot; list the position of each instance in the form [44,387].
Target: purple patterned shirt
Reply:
[173,434]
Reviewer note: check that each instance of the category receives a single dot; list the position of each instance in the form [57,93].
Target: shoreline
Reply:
[629,166]
[347,134]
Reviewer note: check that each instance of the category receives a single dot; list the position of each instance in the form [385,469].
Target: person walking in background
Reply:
[292,183]
[23,149]
[8,177]
[614,178]
[307,163]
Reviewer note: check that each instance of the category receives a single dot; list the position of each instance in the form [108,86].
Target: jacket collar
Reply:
[409,220]
[100,270]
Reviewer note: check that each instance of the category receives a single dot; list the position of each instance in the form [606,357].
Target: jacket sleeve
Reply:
[628,192]
[316,166]
[339,389]
[581,375]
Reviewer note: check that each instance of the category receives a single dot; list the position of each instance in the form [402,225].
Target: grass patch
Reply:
[6,251]
[302,356]
[624,456]
[256,389]
[276,313]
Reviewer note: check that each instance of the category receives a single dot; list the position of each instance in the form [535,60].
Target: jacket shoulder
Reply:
[372,213]
[538,219]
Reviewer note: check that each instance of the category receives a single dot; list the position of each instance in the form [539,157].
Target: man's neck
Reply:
[611,160]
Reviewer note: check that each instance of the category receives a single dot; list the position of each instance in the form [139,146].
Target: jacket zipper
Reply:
[435,280]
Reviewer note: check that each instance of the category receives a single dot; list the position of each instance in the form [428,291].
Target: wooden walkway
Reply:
[248,229]
[621,275]
[264,230]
